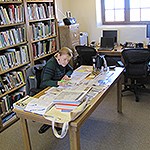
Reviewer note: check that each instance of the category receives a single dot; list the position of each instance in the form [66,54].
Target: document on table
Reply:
[102,79]
[70,96]
[68,100]
[94,91]
[40,105]
[22,103]
[84,69]
[77,77]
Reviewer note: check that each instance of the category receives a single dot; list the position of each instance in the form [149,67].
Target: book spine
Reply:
[8,119]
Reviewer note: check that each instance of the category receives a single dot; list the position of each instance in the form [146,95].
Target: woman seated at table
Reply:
[57,71]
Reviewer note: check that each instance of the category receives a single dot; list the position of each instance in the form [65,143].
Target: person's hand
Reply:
[63,82]
[65,77]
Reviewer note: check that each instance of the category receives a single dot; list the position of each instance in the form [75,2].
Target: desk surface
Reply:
[76,124]
[96,100]
[115,52]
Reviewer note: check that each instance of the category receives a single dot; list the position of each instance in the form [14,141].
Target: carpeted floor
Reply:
[104,130]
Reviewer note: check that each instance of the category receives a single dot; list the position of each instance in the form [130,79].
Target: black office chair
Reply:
[136,62]
[33,79]
[85,55]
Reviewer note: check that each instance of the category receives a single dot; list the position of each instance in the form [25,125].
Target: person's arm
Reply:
[66,77]
[47,75]
[69,70]
[50,71]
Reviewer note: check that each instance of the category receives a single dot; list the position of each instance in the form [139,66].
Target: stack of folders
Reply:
[66,106]
[66,101]
[39,105]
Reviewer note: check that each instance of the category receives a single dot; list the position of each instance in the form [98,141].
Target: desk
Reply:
[111,53]
[115,52]
[74,127]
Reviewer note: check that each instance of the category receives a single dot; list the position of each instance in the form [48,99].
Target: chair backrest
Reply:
[33,79]
[136,62]
[85,54]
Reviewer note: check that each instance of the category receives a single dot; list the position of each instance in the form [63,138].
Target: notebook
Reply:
[107,43]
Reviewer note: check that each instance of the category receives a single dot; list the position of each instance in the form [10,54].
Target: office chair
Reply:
[33,79]
[136,69]
[85,54]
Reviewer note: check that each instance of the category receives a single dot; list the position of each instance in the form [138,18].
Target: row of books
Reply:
[12,36]
[11,14]
[8,119]
[10,0]
[14,57]
[43,47]
[40,11]
[6,106]
[43,29]
[6,102]
[10,80]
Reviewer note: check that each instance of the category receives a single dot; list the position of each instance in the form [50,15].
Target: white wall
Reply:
[85,13]
[61,7]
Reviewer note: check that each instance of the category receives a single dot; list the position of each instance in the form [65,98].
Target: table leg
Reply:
[25,133]
[74,134]
[119,95]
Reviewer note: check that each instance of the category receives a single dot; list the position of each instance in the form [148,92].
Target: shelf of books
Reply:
[42,28]
[11,25]
[28,33]
[14,57]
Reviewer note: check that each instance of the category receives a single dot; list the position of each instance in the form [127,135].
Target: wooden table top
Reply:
[115,52]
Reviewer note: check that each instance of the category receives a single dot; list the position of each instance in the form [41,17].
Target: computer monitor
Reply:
[148,34]
[148,31]
[107,42]
[110,34]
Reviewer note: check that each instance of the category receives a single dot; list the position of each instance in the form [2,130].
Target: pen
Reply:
[66,81]
[62,80]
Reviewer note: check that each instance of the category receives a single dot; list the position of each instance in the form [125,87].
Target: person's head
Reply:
[63,56]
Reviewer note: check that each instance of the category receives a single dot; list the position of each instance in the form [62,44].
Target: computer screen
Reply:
[110,34]
[107,42]
[148,31]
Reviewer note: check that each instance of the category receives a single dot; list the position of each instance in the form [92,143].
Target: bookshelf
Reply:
[42,23]
[14,56]
[28,33]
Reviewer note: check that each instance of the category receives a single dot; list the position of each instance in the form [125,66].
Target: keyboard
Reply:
[105,49]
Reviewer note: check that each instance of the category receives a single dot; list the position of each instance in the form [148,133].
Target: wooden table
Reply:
[74,128]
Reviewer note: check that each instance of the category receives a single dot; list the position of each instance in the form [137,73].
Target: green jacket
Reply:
[53,72]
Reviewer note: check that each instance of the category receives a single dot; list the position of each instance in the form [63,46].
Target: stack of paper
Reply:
[66,106]
[77,77]
[40,105]
[69,100]
[22,103]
